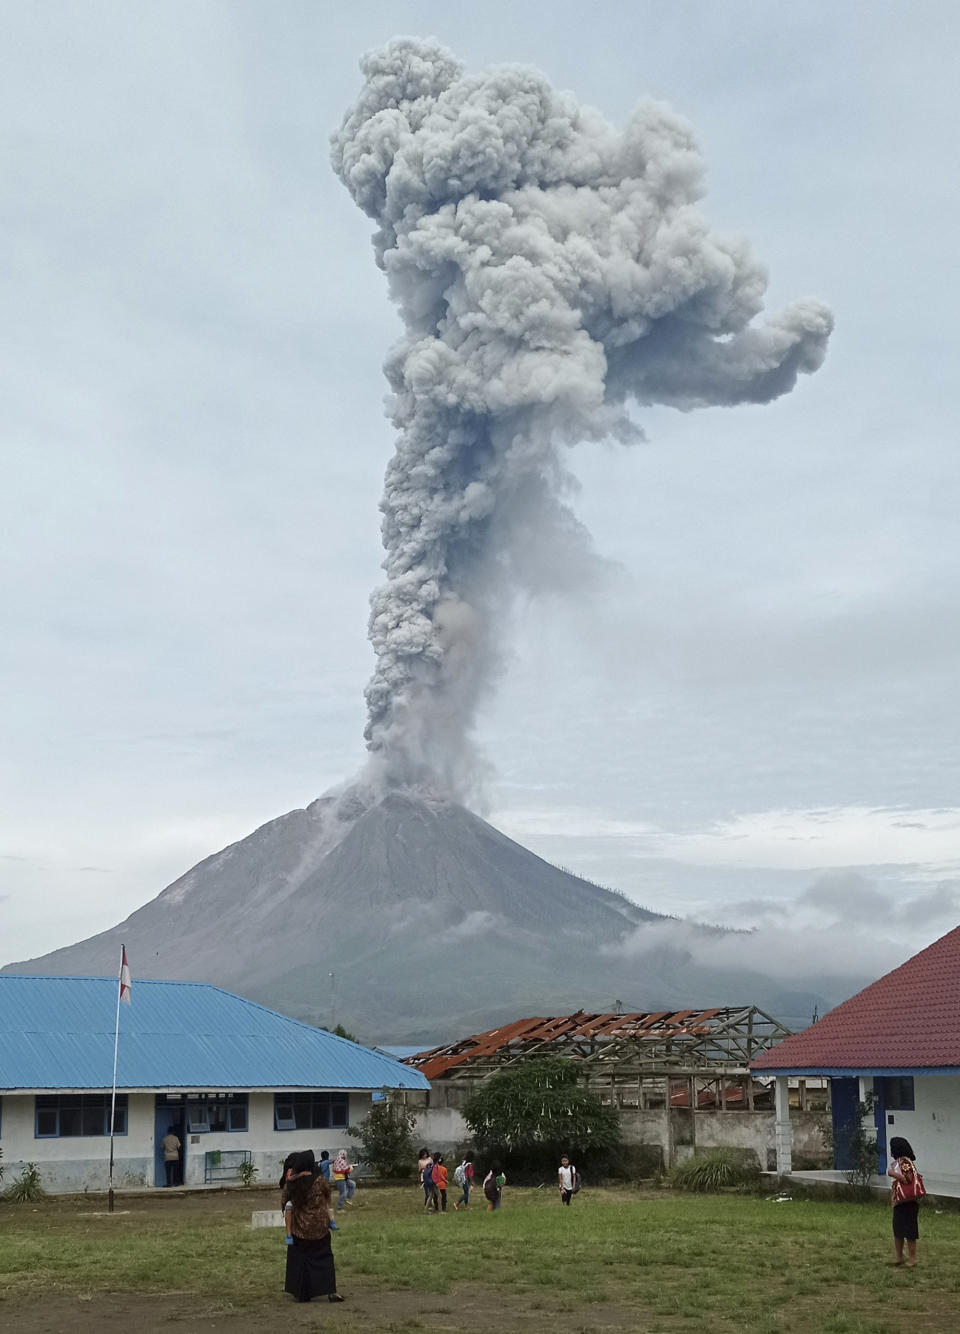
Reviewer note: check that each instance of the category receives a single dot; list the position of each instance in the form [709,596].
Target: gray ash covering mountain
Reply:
[433,922]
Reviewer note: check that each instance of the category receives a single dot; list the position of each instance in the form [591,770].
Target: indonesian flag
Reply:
[124,976]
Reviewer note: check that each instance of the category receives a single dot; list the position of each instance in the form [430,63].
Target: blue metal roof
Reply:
[57,1033]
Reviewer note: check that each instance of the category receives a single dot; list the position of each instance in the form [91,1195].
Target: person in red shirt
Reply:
[439,1184]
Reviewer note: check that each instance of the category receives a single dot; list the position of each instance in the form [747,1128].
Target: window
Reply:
[896,1092]
[310,1111]
[62,1115]
[216,1112]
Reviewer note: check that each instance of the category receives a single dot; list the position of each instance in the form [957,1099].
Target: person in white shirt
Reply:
[566,1179]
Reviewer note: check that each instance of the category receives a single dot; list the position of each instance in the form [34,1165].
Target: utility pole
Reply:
[333,1001]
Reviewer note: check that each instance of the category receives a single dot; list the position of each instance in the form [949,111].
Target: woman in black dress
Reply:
[305,1200]
[906,1213]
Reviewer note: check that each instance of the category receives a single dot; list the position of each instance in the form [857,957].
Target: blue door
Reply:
[880,1122]
[167,1115]
[845,1109]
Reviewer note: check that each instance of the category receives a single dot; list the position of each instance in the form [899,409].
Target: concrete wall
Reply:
[79,1163]
[677,1132]
[933,1127]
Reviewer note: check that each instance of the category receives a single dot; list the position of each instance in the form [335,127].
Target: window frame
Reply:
[54,1104]
[311,1104]
[197,1109]
[898,1093]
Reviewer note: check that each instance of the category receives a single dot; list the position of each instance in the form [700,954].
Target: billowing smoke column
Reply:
[548,269]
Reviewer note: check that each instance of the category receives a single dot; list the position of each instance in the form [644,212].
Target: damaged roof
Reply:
[581,1032]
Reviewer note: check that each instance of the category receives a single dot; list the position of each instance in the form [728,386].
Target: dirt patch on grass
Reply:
[366,1309]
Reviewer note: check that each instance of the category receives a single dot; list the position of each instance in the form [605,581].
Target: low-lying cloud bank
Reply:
[832,897]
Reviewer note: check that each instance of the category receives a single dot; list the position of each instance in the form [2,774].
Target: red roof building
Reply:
[897,1044]
[908,1021]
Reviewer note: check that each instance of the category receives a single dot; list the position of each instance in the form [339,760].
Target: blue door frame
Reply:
[844,1104]
[167,1115]
[880,1123]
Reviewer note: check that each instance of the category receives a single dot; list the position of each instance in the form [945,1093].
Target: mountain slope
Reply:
[412,919]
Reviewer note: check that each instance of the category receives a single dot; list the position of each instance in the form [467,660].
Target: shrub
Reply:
[247,1172]
[27,1186]
[386,1138]
[713,1170]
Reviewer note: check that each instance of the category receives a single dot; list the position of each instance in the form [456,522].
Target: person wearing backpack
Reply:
[463,1177]
[908,1190]
[493,1184]
[567,1180]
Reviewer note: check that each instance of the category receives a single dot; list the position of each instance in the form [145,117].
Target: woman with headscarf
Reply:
[305,1200]
[341,1175]
[906,1201]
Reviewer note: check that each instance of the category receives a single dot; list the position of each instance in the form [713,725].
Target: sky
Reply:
[745,715]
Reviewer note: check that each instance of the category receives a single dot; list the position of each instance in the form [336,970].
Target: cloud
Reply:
[847,896]
[842,928]
[790,839]
[474,924]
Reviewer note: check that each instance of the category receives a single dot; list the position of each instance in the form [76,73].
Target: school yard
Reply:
[618,1259]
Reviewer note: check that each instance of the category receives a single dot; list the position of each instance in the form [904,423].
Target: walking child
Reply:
[567,1180]
[439,1184]
[463,1177]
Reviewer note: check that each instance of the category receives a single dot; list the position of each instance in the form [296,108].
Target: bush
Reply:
[27,1186]
[386,1138]
[247,1172]
[714,1169]
[526,1117]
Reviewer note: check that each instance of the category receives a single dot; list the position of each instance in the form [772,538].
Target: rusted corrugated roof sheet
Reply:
[590,1027]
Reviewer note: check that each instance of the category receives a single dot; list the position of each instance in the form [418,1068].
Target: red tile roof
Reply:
[909,1019]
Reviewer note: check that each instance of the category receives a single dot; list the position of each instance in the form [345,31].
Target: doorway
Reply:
[168,1114]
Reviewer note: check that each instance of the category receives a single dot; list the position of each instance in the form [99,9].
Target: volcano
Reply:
[431,921]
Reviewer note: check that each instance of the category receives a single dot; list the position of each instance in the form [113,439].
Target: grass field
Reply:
[617,1259]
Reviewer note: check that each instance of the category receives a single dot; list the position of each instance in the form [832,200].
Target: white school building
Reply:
[235,1081]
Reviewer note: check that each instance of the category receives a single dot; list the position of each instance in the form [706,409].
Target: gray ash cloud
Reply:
[551,271]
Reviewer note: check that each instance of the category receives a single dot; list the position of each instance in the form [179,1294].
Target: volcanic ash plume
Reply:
[548,268]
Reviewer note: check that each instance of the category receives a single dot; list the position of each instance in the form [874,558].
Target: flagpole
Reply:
[113,1096]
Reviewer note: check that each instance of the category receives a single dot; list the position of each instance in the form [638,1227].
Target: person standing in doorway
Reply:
[171,1156]
[567,1180]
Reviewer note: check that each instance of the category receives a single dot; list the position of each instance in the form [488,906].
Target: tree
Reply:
[531,1114]
[386,1137]
[341,1032]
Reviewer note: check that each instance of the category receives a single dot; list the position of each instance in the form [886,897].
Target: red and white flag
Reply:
[124,976]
